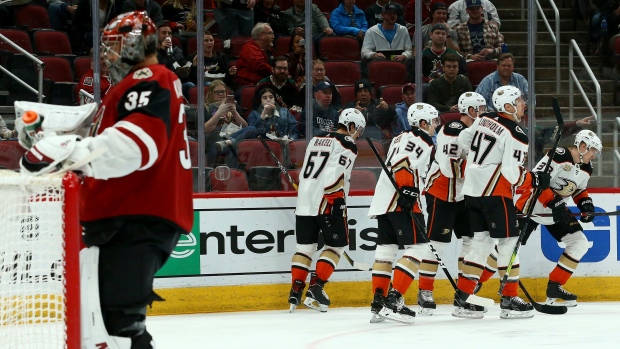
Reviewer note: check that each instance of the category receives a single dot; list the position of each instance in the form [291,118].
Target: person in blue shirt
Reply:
[504,75]
[401,123]
[348,19]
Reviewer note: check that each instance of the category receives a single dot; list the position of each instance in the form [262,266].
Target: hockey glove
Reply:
[408,197]
[560,212]
[55,154]
[586,206]
[337,212]
[541,180]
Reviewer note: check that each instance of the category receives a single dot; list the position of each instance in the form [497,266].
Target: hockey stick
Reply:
[469,298]
[573,214]
[354,264]
[547,309]
[543,308]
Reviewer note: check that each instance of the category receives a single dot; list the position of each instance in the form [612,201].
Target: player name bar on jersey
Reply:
[322,142]
[492,125]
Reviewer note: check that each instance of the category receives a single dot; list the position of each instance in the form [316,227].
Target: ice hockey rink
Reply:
[589,325]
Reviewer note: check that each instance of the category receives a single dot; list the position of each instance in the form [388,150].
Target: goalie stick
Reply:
[469,298]
[547,309]
[354,264]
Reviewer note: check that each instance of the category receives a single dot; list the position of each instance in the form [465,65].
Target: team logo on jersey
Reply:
[456,125]
[420,106]
[519,129]
[566,187]
[499,93]
[446,231]
[88,81]
[143,73]
[567,167]
[560,151]
[348,138]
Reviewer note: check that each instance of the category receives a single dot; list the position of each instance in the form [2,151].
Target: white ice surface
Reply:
[589,325]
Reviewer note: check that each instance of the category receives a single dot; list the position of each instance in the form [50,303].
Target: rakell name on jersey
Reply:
[323,142]
[492,126]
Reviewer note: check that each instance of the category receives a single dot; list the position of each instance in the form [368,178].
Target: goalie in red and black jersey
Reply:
[136,199]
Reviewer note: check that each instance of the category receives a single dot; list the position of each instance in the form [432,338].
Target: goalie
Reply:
[138,144]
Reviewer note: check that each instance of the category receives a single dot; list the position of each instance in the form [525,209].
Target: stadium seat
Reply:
[383,73]
[326,5]
[193,153]
[281,45]
[236,181]
[262,178]
[19,37]
[364,4]
[195,178]
[448,117]
[285,183]
[344,48]
[363,179]
[52,42]
[296,152]
[247,95]
[57,69]
[10,154]
[365,156]
[286,4]
[236,44]
[477,70]
[193,94]
[63,93]
[251,153]
[391,94]
[347,94]
[81,65]
[32,17]
[343,72]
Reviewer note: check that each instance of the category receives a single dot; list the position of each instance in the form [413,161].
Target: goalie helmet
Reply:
[127,39]
[505,94]
[471,99]
[352,115]
[590,139]
[421,111]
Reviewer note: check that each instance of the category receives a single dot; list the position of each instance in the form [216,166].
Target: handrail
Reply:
[616,152]
[84,95]
[38,62]
[555,37]
[573,78]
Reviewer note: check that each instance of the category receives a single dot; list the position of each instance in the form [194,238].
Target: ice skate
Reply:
[466,310]
[515,308]
[426,302]
[376,306]
[294,297]
[555,291]
[316,298]
[394,309]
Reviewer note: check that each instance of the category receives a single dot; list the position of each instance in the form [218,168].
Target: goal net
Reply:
[39,261]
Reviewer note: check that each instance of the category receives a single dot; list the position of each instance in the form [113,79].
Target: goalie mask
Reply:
[352,115]
[421,111]
[126,41]
[590,139]
[474,100]
[507,95]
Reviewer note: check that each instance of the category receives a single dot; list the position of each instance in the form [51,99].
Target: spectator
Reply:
[171,57]
[610,10]
[457,12]
[284,88]
[387,36]
[5,133]
[374,13]
[215,65]
[224,119]
[297,59]
[426,13]
[270,119]
[504,75]
[152,8]
[431,56]
[378,114]
[61,11]
[255,56]
[348,19]
[439,15]
[479,39]
[401,123]
[325,115]
[296,21]
[444,92]
[87,81]
[235,18]
[267,11]
[180,14]
[319,75]
[84,20]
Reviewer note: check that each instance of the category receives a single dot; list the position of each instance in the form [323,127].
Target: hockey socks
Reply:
[326,264]
[381,276]
[564,269]
[300,267]
[404,273]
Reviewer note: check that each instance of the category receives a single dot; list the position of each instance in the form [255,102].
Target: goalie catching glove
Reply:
[57,154]
[586,206]
[407,198]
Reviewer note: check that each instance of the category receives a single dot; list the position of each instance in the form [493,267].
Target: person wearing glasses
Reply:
[254,59]
[285,88]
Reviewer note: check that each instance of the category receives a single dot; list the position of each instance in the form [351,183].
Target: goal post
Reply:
[40,240]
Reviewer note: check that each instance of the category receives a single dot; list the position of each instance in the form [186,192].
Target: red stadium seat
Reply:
[247,95]
[285,183]
[347,94]
[448,117]
[386,73]
[326,5]
[478,70]
[52,42]
[193,153]
[193,94]
[81,66]
[392,94]
[286,4]
[10,154]
[57,69]
[32,17]
[343,72]
[281,45]
[18,37]
[297,152]
[363,179]
[237,181]
[339,48]
[365,156]
[252,153]
[236,44]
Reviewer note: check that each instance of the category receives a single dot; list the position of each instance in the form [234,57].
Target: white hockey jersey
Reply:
[497,149]
[567,180]
[325,174]
[446,173]
[407,159]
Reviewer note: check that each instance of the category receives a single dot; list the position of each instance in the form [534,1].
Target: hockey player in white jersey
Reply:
[400,221]
[570,171]
[497,150]
[321,208]
[444,201]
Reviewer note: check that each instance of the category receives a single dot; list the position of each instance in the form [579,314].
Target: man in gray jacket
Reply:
[387,36]
[295,19]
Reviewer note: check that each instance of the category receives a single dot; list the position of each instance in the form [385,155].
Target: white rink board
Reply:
[261,251]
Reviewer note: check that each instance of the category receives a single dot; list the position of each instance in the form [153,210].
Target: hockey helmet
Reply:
[352,115]
[471,99]
[421,111]
[506,94]
[125,42]
[590,139]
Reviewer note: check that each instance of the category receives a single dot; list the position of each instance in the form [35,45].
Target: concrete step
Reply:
[549,61]
[512,12]
[609,112]
[542,49]
[520,25]
[543,36]
[549,73]
[548,86]
[544,99]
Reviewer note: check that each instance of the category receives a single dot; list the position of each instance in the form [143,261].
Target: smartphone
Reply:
[230,99]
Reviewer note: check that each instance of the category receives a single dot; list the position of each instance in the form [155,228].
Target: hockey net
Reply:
[39,261]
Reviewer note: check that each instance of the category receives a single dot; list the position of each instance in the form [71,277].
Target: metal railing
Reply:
[555,37]
[84,95]
[616,152]
[40,65]
[572,48]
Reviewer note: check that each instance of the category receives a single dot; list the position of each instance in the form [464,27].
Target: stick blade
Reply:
[550,309]
[477,300]
[362,266]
